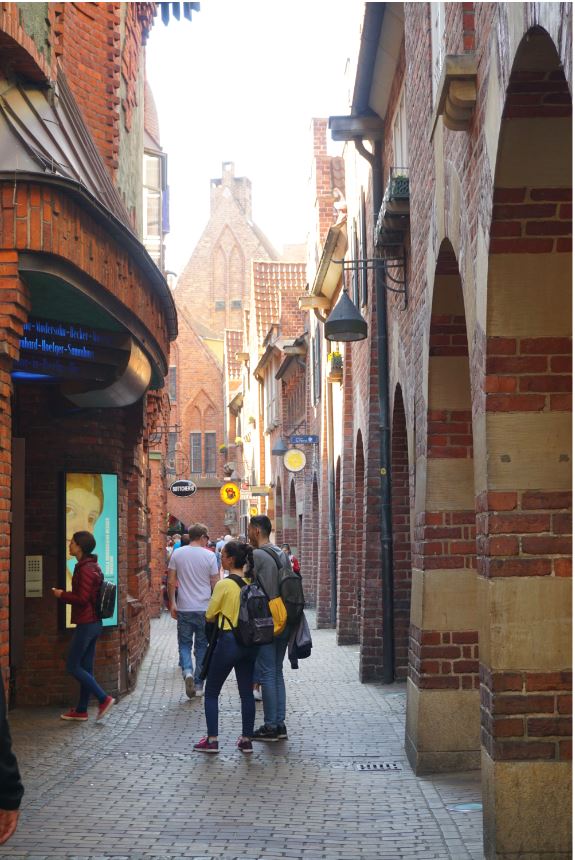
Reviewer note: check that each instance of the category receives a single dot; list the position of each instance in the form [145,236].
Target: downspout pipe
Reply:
[331,531]
[386,534]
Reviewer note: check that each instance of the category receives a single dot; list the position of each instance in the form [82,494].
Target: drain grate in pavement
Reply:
[382,766]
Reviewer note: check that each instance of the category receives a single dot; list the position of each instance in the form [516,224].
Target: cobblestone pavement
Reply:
[132,788]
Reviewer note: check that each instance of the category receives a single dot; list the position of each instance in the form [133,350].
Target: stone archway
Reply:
[524,498]
[400,503]
[443,685]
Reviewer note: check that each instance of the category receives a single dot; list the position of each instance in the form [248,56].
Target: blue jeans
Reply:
[80,663]
[269,669]
[228,655]
[191,630]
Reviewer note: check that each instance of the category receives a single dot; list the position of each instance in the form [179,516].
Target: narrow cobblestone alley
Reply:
[132,787]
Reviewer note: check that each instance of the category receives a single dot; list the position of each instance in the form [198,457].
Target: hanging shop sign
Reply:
[294,460]
[304,440]
[230,494]
[254,511]
[183,488]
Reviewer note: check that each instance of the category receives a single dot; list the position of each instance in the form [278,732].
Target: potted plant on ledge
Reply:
[335,367]
[223,449]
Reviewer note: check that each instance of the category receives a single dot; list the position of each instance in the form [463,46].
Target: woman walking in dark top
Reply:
[86,582]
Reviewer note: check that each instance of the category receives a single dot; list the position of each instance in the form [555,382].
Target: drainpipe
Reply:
[332,548]
[386,536]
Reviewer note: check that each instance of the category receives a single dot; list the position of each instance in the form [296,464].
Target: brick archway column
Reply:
[15,304]
[442,728]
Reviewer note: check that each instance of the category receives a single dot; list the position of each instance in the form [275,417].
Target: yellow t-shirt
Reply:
[224,605]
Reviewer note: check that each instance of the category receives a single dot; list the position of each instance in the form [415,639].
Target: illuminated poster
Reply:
[91,505]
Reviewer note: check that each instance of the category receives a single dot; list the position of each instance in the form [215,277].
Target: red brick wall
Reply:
[44,219]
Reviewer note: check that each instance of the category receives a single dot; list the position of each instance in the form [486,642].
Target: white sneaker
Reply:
[190,687]
[200,690]
[258,695]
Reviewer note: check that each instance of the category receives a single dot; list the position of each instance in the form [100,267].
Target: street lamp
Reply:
[279,448]
[345,322]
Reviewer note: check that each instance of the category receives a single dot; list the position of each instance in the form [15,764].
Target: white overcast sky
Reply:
[240,83]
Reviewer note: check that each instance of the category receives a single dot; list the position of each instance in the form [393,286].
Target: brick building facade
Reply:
[87,319]
[212,296]
[444,500]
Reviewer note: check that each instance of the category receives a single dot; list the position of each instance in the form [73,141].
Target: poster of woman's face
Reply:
[91,505]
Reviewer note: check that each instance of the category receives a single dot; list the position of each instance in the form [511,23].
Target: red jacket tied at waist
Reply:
[86,581]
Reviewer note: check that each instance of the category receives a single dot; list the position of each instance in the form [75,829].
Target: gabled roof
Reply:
[276,287]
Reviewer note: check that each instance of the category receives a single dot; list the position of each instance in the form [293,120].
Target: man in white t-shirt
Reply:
[196,570]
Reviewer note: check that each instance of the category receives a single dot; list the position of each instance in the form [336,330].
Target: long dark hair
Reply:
[241,554]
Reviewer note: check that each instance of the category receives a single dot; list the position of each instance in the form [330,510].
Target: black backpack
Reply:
[105,599]
[290,587]
[255,623]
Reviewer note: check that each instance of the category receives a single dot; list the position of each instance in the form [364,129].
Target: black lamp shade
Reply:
[279,448]
[345,321]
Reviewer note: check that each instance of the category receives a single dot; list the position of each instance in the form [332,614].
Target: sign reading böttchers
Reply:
[183,488]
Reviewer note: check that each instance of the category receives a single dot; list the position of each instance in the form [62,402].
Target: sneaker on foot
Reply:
[258,695]
[199,689]
[73,714]
[265,733]
[105,707]
[282,732]
[206,746]
[244,746]
[190,686]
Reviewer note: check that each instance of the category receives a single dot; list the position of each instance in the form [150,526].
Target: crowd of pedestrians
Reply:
[202,590]
[199,592]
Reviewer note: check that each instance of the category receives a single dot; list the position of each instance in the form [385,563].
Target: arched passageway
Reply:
[443,685]
[400,502]
[524,496]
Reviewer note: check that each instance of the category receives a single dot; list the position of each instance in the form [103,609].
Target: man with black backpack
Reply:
[271,566]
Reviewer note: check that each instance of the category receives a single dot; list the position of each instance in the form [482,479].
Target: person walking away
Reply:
[86,581]
[196,571]
[293,560]
[223,610]
[11,789]
[269,665]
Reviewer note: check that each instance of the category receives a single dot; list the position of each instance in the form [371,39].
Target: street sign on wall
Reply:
[304,440]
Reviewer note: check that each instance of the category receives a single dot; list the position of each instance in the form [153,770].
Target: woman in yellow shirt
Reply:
[223,610]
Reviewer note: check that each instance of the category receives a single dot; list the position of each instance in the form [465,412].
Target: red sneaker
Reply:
[244,745]
[207,746]
[73,714]
[105,707]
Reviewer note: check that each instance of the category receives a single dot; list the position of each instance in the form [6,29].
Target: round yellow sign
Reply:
[294,460]
[230,494]
[254,511]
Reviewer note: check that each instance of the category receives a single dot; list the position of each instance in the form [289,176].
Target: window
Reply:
[171,461]
[220,305]
[400,153]
[196,453]
[362,249]
[210,453]
[152,214]
[270,399]
[172,389]
[316,365]
[355,271]
[236,304]
[437,13]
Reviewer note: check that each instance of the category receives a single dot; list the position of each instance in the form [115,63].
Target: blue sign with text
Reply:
[304,440]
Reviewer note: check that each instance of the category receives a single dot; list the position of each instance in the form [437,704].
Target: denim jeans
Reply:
[228,655]
[80,663]
[269,669]
[191,631]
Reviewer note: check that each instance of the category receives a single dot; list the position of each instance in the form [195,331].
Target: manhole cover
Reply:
[465,807]
[384,766]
